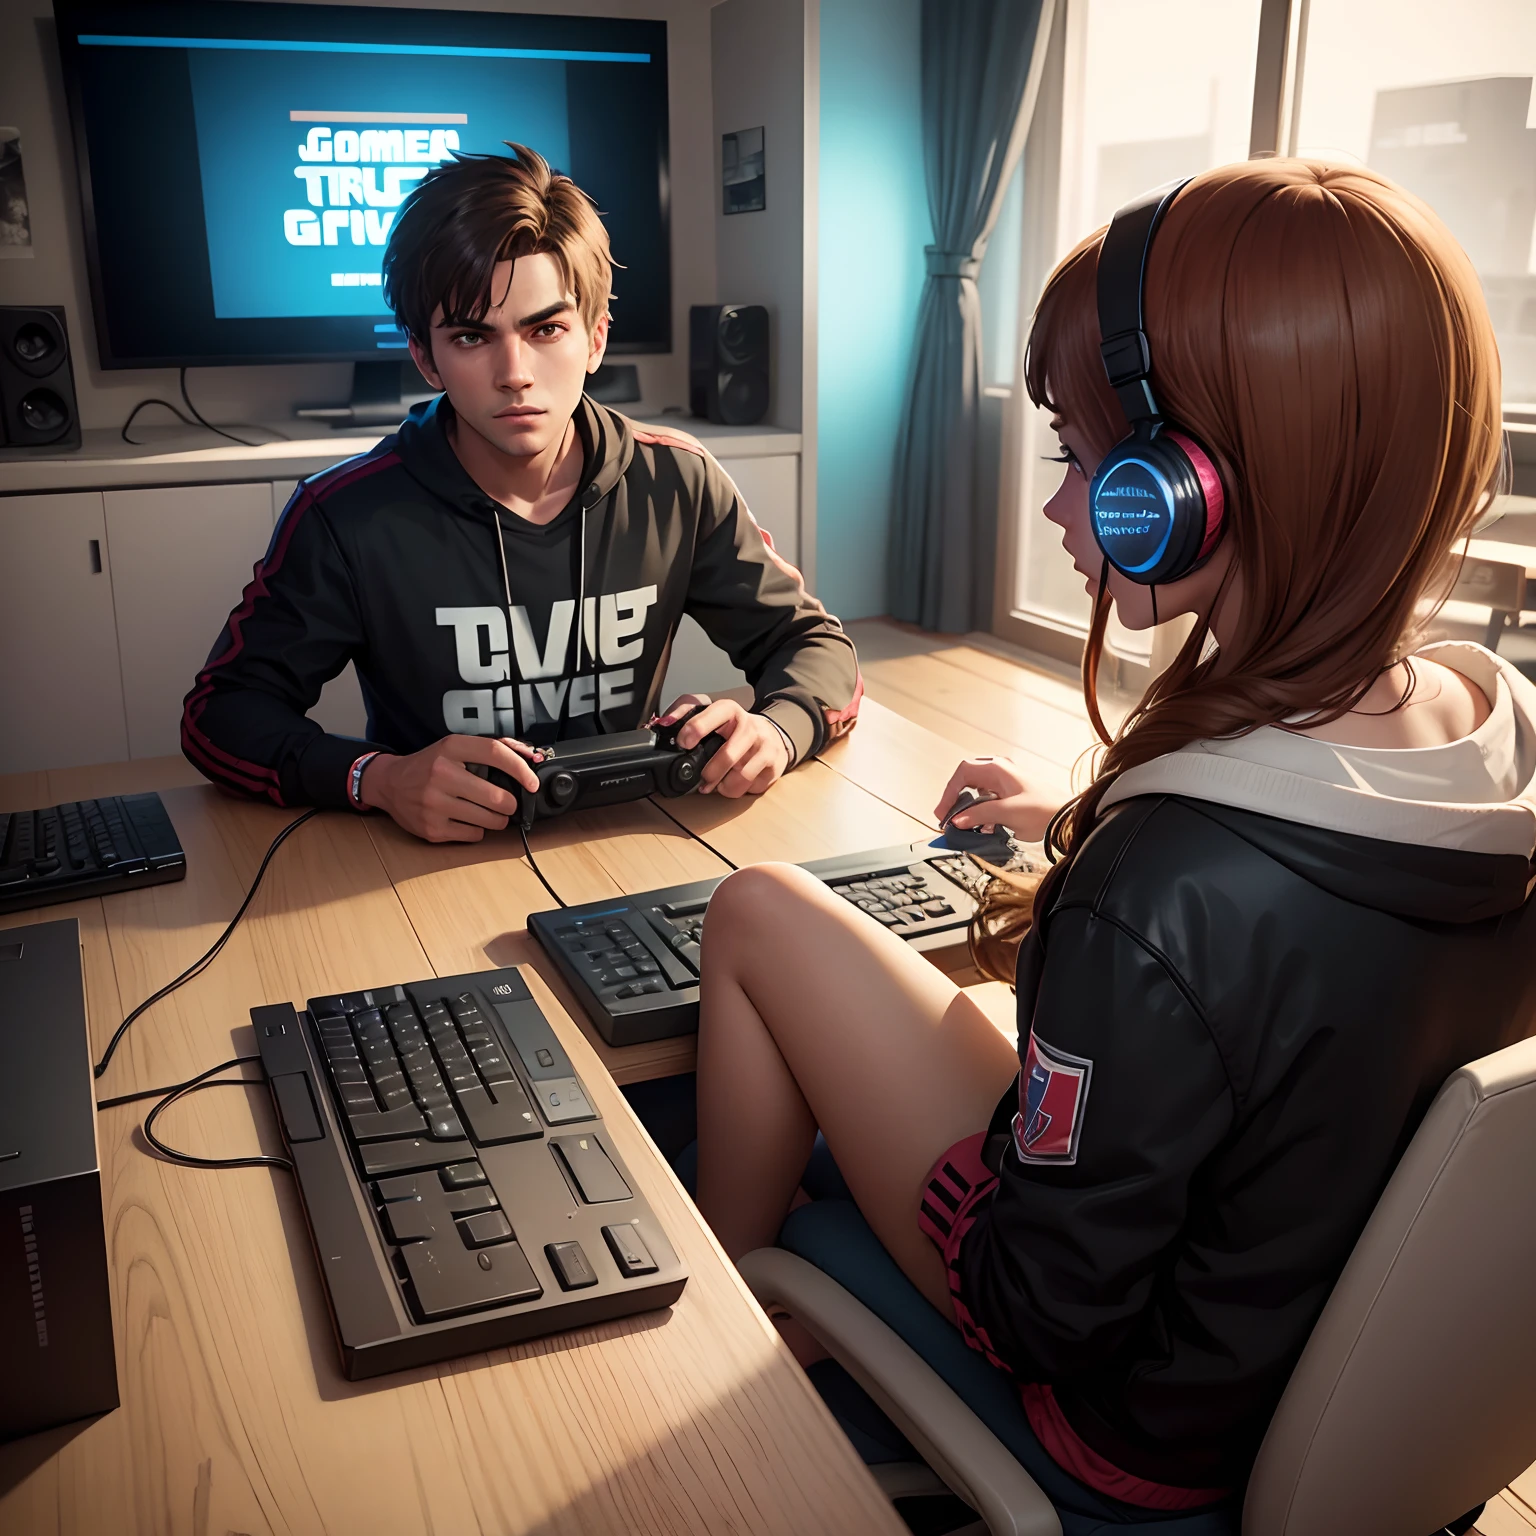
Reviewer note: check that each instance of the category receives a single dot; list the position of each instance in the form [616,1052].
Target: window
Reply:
[1134,94]
[1440,100]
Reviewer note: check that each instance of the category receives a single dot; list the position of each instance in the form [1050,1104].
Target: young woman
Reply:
[1291,902]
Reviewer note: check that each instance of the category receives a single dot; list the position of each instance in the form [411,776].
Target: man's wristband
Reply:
[355,781]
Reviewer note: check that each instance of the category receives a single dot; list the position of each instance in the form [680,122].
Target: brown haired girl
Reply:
[1293,899]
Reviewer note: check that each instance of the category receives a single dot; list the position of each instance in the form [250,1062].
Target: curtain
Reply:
[981,72]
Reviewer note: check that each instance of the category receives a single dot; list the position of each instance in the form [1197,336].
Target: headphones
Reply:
[1156,504]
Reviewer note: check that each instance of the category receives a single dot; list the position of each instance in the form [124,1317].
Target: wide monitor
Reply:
[241,163]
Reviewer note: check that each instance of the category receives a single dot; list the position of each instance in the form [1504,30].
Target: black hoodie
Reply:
[1234,1010]
[460,616]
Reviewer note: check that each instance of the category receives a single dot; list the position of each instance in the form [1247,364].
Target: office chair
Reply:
[1497,584]
[1413,1402]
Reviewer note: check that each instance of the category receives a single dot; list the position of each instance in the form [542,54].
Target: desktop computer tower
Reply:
[56,1356]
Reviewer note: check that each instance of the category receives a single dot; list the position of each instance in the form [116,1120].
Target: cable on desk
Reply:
[729,863]
[143,405]
[190,1160]
[533,864]
[194,419]
[200,965]
[143,1093]
[202,421]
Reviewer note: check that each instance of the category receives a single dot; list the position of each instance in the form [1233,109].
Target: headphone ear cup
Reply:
[1215,496]
[1156,507]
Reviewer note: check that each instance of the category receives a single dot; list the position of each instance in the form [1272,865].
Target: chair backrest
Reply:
[1498,583]
[1415,1398]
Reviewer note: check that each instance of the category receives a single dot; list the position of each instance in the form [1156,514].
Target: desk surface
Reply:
[235,1416]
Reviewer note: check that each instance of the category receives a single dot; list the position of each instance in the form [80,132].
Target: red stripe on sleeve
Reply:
[253,778]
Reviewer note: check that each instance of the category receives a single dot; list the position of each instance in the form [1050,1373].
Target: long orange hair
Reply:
[1319,330]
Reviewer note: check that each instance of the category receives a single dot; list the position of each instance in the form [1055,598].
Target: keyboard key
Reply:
[571,1266]
[461,1175]
[485,1229]
[489,1060]
[465,1202]
[629,1252]
[444,1125]
[450,1278]
[405,1186]
[369,1024]
[561,1101]
[408,1221]
[381,1127]
[508,1117]
[405,1156]
[592,1169]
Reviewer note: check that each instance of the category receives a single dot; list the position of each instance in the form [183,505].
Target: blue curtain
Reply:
[978,83]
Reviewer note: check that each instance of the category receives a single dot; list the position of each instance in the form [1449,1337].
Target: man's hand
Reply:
[433,795]
[1016,806]
[755,752]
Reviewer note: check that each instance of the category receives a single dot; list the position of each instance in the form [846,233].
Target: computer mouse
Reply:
[968,839]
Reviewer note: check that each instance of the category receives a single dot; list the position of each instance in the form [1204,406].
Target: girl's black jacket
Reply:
[1251,1016]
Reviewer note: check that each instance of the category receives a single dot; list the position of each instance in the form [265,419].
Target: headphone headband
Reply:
[1121,282]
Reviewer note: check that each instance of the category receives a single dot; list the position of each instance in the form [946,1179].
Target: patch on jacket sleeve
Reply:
[1053,1094]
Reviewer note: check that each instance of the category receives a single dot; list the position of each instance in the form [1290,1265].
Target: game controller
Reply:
[589,771]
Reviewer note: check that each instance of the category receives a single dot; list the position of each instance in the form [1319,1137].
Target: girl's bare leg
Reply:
[812,1014]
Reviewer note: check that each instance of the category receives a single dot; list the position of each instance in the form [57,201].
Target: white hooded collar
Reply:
[1477,794]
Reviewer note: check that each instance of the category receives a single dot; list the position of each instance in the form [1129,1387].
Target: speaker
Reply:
[728,363]
[37,384]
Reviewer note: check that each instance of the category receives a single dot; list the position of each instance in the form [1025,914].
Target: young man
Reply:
[510,567]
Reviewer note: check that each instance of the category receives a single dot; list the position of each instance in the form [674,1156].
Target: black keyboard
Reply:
[633,962]
[461,1189]
[86,848]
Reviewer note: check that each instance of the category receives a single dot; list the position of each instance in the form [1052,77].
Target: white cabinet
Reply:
[181,557]
[110,599]
[61,697]
[770,486]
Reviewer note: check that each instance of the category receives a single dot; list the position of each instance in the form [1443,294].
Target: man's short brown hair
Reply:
[478,210]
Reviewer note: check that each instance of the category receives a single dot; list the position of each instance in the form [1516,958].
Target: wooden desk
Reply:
[235,1416]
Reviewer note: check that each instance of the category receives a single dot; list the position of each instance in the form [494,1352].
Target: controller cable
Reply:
[560,901]
[201,964]
[729,863]
[533,864]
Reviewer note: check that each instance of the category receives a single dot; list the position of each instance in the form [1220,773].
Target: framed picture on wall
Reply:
[741,171]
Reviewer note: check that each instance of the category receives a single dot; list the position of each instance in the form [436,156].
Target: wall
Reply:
[757,52]
[873,224]
[32,94]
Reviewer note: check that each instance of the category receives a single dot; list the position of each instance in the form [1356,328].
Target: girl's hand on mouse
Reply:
[1024,811]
